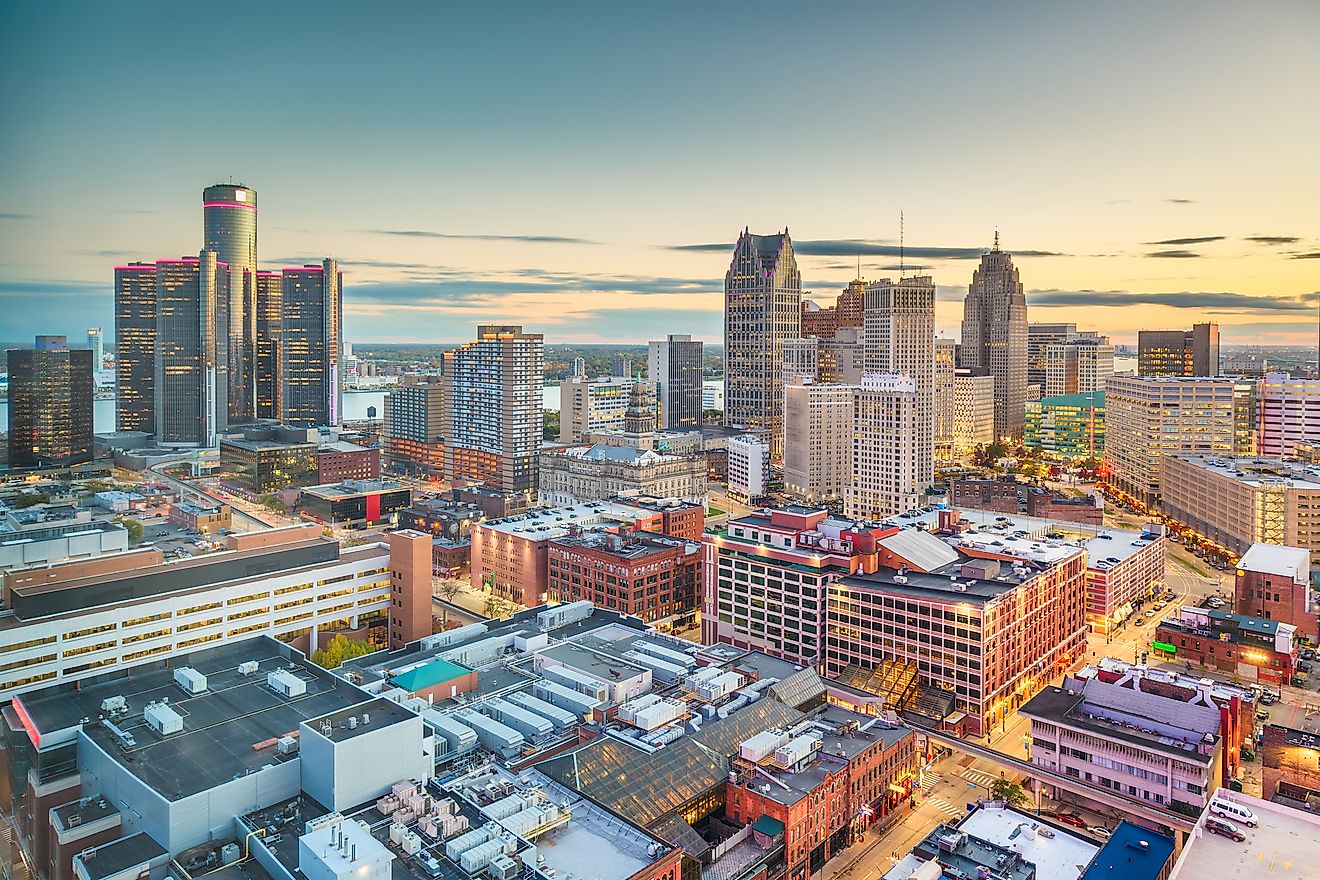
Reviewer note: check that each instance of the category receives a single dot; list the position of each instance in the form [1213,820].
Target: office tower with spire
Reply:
[493,401]
[50,405]
[269,372]
[135,347]
[188,405]
[762,308]
[229,213]
[674,365]
[899,339]
[994,336]
[312,343]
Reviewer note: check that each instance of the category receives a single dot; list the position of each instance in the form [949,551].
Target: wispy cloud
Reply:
[1197,240]
[1313,255]
[1273,239]
[851,247]
[1239,302]
[426,233]
[1181,201]
[1174,255]
[10,215]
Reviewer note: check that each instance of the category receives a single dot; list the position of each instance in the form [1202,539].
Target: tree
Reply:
[339,649]
[550,424]
[448,588]
[272,503]
[1010,793]
[135,528]
[29,499]
[712,416]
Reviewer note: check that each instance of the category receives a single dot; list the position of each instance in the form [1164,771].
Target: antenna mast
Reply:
[902,263]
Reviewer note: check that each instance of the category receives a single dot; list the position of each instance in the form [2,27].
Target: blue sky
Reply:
[551,164]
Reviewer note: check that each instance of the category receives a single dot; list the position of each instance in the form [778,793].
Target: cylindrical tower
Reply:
[229,213]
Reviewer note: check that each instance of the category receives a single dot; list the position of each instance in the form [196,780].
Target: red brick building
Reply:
[410,586]
[652,576]
[678,519]
[1006,495]
[1274,582]
[1250,647]
[823,805]
[339,461]
[847,311]
[1290,762]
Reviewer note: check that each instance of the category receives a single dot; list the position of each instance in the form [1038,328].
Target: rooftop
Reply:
[120,855]
[1293,562]
[633,546]
[544,523]
[1133,853]
[1062,856]
[1256,472]
[353,488]
[1284,846]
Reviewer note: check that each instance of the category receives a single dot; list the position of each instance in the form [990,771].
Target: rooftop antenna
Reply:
[902,266]
[996,239]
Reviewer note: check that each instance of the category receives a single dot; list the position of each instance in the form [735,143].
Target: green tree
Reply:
[272,503]
[30,499]
[712,416]
[550,424]
[135,528]
[339,649]
[1011,793]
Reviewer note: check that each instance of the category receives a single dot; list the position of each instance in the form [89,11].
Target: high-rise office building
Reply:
[994,336]
[828,320]
[587,406]
[96,343]
[312,334]
[899,339]
[268,303]
[493,396]
[188,404]
[50,405]
[974,411]
[1289,415]
[135,347]
[887,476]
[1079,366]
[1193,352]
[818,441]
[1039,336]
[762,308]
[622,365]
[674,365]
[414,426]
[942,399]
[229,227]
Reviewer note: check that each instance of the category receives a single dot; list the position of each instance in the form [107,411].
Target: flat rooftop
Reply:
[220,726]
[836,748]
[1285,846]
[1061,857]
[1253,471]
[941,584]
[544,523]
[382,713]
[354,488]
[119,855]
[608,668]
[637,545]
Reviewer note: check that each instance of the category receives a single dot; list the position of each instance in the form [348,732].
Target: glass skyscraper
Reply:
[135,347]
[311,341]
[189,408]
[50,404]
[229,214]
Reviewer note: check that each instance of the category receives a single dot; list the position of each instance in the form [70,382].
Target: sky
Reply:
[583,168]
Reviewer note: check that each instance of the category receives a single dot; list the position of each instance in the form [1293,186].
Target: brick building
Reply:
[654,577]
[1006,495]
[1274,582]
[340,460]
[1250,647]
[1290,762]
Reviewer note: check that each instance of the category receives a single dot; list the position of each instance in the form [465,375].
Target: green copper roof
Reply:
[1077,400]
[433,673]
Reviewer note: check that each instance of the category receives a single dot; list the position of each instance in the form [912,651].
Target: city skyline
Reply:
[596,208]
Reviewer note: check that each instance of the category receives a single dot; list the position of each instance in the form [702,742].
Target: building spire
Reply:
[902,260]
[996,247]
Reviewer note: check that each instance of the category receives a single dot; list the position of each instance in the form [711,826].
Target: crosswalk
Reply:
[980,777]
[929,781]
[953,811]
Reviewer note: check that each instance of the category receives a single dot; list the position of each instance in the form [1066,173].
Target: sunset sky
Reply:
[583,168]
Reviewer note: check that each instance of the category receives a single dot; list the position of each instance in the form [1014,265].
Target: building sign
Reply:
[1164,646]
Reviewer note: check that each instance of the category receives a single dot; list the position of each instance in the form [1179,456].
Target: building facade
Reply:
[762,308]
[50,404]
[1251,648]
[1080,366]
[262,466]
[229,221]
[825,321]
[974,409]
[674,365]
[356,503]
[748,467]
[414,426]
[899,337]
[1067,426]
[1149,418]
[576,474]
[1289,415]
[135,347]
[994,336]
[312,343]
[945,411]
[188,386]
[1274,583]
[1193,352]
[1039,337]
[818,441]
[268,379]
[888,458]
[654,577]
[590,405]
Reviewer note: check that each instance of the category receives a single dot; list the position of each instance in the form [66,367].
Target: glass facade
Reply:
[186,390]
[1068,426]
[312,345]
[50,404]
[230,229]
[270,351]
[135,347]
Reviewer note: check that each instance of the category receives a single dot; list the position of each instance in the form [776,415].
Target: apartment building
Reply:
[818,441]
[414,426]
[1119,736]
[1289,414]
[892,458]
[83,618]
[1149,418]
[748,466]
[1237,502]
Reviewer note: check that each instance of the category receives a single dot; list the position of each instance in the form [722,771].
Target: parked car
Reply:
[1071,819]
[1308,654]
[1304,665]
[1099,831]
[1262,715]
[1233,811]
[1150,613]
[1160,606]
[1269,698]
[1225,828]
[1140,621]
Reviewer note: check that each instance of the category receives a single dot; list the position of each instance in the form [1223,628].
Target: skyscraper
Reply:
[899,337]
[50,405]
[96,342]
[270,348]
[1193,352]
[994,336]
[229,214]
[1079,366]
[135,347]
[818,440]
[1039,336]
[886,465]
[493,400]
[946,413]
[674,365]
[311,339]
[762,308]
[188,405]
[415,426]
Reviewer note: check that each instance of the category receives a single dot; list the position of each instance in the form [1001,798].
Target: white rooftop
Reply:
[921,549]
[1285,846]
[1255,471]
[553,522]
[1293,562]
[1062,857]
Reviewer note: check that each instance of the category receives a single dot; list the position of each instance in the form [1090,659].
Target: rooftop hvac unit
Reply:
[503,867]
[559,717]
[498,737]
[114,704]
[248,667]
[797,750]
[578,681]
[563,615]
[285,683]
[661,669]
[466,841]
[669,655]
[526,722]
[565,698]
[453,636]
[479,652]
[628,711]
[763,745]
[458,736]
[192,681]
[659,714]
[287,745]
[162,719]
[701,676]
[506,807]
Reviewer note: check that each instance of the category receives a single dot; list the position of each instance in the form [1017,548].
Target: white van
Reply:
[1236,812]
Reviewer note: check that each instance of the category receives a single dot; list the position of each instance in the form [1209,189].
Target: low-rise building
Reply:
[355,502]
[1006,495]
[259,466]
[1237,502]
[678,518]
[442,517]
[203,519]
[48,535]
[1274,582]
[340,460]
[1249,647]
[577,474]
[1285,832]
[1290,761]
[1067,426]
[655,577]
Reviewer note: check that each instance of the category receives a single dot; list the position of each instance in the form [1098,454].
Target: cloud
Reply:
[9,215]
[1180,201]
[1176,255]
[1313,255]
[423,233]
[1199,240]
[19,289]
[1240,302]
[851,247]
[453,291]
[1273,239]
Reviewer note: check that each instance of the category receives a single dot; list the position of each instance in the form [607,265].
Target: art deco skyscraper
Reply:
[135,347]
[674,365]
[50,405]
[994,336]
[188,405]
[311,340]
[493,400]
[229,214]
[899,339]
[762,308]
